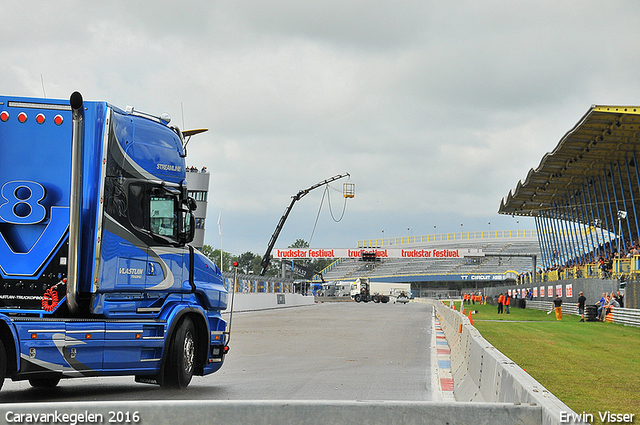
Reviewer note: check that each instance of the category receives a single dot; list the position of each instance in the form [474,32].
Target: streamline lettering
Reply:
[168,167]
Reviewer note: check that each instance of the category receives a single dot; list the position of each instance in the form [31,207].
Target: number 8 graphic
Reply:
[22,202]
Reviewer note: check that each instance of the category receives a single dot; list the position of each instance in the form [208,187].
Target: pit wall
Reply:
[267,301]
[483,374]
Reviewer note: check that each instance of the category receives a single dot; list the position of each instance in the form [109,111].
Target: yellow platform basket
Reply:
[348,190]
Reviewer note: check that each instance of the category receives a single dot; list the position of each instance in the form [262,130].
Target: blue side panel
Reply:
[35,155]
[94,128]
[84,346]
[42,347]
[134,346]
[123,265]
[209,282]
[35,178]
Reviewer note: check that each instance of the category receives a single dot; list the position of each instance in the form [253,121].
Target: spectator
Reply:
[500,302]
[557,306]
[601,304]
[620,299]
[611,303]
[507,302]
[581,303]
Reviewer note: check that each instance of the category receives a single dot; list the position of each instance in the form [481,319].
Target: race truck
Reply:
[365,290]
[97,277]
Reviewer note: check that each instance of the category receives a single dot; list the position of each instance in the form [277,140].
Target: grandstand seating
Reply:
[350,269]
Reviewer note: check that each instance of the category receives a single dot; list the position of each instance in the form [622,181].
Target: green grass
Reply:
[592,367]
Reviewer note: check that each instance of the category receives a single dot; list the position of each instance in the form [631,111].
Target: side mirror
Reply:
[192,204]
[188,227]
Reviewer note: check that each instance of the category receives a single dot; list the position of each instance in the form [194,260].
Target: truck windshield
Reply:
[163,216]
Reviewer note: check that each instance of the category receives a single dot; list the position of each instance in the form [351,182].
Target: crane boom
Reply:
[266,259]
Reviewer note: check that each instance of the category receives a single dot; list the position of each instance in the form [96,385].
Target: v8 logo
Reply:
[21,205]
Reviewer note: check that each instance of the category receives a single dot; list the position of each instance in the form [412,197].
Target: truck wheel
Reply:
[181,356]
[357,298]
[44,382]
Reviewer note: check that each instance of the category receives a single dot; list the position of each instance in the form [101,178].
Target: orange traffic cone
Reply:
[463,310]
[470,319]
[451,304]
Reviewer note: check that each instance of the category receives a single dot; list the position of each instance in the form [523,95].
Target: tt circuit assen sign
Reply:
[295,253]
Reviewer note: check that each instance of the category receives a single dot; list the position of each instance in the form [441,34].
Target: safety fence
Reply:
[249,283]
[621,268]
[483,374]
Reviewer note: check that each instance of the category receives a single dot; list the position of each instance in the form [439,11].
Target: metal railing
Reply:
[623,316]
[622,267]
[447,237]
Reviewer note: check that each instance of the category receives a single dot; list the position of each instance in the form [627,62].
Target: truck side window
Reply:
[136,205]
[163,217]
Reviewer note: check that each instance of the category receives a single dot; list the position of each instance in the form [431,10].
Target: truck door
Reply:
[167,259]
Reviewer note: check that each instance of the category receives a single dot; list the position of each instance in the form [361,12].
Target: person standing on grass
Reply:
[507,302]
[500,301]
[601,304]
[557,306]
[581,303]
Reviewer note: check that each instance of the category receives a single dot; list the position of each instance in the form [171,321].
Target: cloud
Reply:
[436,111]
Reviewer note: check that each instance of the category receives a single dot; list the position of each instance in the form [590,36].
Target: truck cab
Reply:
[97,276]
[363,290]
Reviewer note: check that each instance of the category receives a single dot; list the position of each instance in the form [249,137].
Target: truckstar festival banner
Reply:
[293,253]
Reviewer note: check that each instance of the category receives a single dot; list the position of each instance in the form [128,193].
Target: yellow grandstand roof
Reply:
[604,140]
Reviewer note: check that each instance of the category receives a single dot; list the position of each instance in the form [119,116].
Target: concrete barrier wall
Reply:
[266,301]
[481,373]
[285,412]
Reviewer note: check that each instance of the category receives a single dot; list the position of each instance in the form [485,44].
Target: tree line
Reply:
[250,263]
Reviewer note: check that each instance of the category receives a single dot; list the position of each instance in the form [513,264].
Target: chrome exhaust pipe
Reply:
[75,202]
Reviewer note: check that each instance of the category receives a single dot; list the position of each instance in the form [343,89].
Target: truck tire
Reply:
[357,298]
[44,382]
[181,356]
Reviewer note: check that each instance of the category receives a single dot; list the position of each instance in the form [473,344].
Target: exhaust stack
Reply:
[75,202]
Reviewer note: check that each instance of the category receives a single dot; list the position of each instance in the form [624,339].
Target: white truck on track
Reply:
[365,290]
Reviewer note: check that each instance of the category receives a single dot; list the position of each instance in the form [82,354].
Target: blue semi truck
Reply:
[97,277]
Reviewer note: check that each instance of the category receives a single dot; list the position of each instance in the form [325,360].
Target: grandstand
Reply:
[494,262]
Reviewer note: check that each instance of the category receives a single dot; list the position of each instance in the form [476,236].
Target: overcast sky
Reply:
[435,108]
